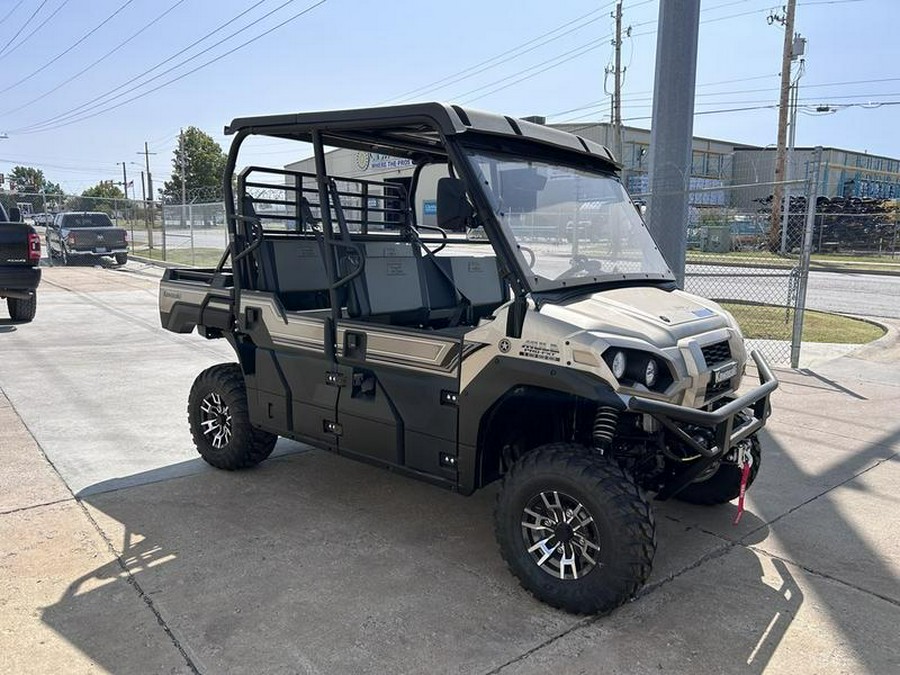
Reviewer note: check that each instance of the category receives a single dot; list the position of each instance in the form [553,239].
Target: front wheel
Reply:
[220,420]
[575,529]
[22,309]
[725,483]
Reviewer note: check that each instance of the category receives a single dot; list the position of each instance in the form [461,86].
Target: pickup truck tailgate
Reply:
[15,244]
[92,239]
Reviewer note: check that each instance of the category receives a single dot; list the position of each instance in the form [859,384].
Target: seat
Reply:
[453,280]
[390,288]
[293,269]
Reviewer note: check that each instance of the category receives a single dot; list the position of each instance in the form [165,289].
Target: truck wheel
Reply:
[21,309]
[220,420]
[574,528]
[725,483]
[121,258]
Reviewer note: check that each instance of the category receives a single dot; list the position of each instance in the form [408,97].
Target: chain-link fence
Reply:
[755,259]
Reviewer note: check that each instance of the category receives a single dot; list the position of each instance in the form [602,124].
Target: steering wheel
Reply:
[528,252]
[582,264]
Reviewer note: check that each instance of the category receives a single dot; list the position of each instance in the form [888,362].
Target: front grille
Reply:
[716,353]
[713,390]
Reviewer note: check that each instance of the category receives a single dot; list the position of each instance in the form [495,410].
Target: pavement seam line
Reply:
[823,575]
[581,623]
[37,506]
[815,497]
[129,577]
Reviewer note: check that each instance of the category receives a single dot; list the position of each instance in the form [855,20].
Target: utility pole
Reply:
[615,112]
[798,49]
[124,179]
[149,197]
[672,129]
[778,192]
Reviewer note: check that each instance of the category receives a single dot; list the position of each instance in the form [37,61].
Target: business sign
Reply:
[375,160]
[429,207]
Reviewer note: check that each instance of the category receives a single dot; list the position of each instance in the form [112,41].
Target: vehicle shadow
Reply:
[8,325]
[313,563]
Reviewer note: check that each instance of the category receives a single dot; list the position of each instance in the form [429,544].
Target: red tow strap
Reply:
[745,476]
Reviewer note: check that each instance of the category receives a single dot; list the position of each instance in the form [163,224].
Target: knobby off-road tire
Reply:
[220,420]
[21,309]
[121,258]
[592,500]
[725,484]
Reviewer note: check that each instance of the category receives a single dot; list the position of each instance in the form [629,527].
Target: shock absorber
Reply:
[606,419]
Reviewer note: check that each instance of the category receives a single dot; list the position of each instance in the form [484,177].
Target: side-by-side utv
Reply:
[499,314]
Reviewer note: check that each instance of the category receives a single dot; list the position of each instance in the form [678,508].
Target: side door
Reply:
[397,401]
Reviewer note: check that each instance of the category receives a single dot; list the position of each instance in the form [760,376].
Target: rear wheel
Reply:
[575,529]
[121,258]
[22,309]
[725,483]
[220,420]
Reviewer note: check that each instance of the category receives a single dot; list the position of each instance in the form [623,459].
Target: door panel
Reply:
[395,404]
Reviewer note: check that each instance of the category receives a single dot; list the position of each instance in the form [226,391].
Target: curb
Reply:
[152,261]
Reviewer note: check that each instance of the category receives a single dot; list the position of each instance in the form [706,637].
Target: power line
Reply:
[189,72]
[70,48]
[37,28]
[97,61]
[96,101]
[23,27]
[10,12]
[498,59]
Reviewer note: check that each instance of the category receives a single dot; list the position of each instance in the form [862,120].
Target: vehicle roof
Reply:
[412,127]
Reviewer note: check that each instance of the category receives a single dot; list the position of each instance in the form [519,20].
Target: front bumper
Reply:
[731,423]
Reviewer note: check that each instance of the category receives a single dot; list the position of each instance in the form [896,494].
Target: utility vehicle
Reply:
[533,336]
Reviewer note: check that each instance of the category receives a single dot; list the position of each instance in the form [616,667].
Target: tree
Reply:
[101,197]
[26,184]
[204,166]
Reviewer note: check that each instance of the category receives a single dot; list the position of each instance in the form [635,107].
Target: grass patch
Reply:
[767,322]
[202,257]
[821,261]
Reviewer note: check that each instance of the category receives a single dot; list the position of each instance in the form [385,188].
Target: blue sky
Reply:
[347,53]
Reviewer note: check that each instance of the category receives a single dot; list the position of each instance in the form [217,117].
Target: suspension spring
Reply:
[606,419]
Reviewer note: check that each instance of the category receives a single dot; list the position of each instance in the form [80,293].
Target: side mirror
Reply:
[454,211]
[15,215]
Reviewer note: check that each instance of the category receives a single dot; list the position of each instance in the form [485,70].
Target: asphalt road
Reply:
[863,294]
[312,563]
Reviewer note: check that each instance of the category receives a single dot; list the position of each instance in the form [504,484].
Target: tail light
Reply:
[125,232]
[34,248]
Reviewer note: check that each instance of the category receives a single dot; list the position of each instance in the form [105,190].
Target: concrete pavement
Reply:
[312,563]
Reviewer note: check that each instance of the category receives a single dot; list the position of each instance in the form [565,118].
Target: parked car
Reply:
[20,255]
[574,372]
[86,234]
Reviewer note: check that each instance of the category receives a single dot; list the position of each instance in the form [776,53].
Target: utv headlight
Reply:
[651,370]
[619,363]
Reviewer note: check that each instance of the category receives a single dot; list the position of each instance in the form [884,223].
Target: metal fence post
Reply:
[191,225]
[805,253]
[162,220]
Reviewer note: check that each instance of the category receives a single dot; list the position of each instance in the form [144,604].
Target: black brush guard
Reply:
[727,428]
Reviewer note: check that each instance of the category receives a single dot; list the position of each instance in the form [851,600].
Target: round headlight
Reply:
[650,373]
[618,365]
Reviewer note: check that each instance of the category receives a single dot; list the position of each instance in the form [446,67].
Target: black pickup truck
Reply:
[20,254]
[86,235]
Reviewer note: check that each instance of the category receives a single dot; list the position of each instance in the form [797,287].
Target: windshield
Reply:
[87,220]
[571,226]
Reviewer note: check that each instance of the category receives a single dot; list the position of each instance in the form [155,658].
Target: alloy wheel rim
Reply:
[560,535]
[215,420]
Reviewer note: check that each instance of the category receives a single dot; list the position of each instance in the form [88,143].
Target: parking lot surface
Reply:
[121,551]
